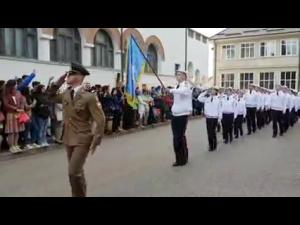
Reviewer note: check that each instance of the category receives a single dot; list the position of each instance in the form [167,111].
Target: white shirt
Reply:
[212,106]
[278,101]
[182,100]
[240,108]
[251,99]
[297,103]
[267,101]
[228,105]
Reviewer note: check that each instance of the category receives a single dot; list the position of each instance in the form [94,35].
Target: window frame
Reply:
[244,43]
[246,80]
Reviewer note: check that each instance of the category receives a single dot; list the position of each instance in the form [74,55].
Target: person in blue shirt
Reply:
[26,80]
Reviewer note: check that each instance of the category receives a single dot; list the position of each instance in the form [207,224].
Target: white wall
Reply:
[173,41]
[198,55]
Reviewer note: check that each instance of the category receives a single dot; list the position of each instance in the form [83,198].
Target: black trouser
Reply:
[286,120]
[218,127]
[116,120]
[259,118]
[238,125]
[211,125]
[268,116]
[179,124]
[251,119]
[293,117]
[277,118]
[227,124]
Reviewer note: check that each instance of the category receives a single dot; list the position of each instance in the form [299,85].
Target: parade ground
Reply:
[140,165]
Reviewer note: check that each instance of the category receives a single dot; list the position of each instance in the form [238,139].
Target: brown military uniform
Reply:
[79,115]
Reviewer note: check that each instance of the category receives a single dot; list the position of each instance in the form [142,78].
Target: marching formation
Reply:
[257,107]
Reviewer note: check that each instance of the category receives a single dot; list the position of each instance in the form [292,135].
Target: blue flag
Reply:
[135,67]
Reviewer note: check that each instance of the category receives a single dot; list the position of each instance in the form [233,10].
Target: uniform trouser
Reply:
[264,117]
[286,119]
[227,124]
[211,125]
[238,125]
[76,157]
[298,112]
[251,124]
[269,116]
[179,124]
[277,119]
[260,118]
[293,117]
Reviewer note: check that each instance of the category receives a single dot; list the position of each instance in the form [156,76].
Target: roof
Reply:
[248,32]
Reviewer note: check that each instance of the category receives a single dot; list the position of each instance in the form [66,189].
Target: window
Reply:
[289,47]
[245,80]
[204,39]
[266,80]
[247,50]
[18,42]
[103,52]
[191,33]
[229,51]
[66,46]
[267,48]
[152,58]
[288,79]
[227,80]
[198,36]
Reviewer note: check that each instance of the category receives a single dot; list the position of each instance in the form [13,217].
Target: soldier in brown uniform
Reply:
[80,136]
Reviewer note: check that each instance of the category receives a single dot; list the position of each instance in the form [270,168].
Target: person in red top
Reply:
[14,104]
[168,100]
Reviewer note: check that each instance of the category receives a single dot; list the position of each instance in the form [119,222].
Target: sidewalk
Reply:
[7,155]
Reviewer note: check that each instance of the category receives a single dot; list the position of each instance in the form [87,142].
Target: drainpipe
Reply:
[186,34]
[215,63]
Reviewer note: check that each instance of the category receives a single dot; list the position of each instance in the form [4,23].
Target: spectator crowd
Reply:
[29,120]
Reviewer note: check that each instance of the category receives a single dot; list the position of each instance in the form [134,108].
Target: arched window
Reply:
[152,58]
[18,42]
[103,52]
[66,46]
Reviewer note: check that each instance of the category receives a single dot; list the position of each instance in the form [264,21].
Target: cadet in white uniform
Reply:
[286,115]
[228,109]
[181,109]
[212,112]
[251,103]
[240,115]
[277,105]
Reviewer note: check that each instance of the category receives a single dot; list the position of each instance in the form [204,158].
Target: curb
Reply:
[9,156]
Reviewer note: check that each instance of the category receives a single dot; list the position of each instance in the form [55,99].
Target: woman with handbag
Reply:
[13,106]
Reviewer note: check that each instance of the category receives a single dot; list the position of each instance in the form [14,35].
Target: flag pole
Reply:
[148,63]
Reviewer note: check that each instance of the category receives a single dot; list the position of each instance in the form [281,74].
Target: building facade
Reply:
[49,51]
[262,56]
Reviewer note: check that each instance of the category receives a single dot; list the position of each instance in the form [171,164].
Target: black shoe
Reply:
[236,137]
[249,133]
[281,134]
[274,135]
[177,164]
[225,142]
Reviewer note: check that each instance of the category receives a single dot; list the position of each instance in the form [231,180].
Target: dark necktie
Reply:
[72,94]
[212,99]
[277,93]
[227,98]
[177,86]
